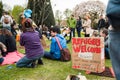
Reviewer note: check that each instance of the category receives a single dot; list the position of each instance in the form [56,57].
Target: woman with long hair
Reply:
[87,25]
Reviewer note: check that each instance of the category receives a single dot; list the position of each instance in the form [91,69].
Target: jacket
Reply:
[79,24]
[113,13]
[71,22]
[54,48]
[101,23]
[9,42]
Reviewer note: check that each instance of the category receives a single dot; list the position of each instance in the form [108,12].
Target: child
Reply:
[2,50]
[30,39]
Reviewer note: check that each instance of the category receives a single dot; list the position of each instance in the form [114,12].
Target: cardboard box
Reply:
[88,54]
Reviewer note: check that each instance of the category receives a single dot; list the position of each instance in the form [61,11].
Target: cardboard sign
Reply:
[88,54]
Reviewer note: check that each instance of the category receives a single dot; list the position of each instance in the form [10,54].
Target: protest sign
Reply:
[88,54]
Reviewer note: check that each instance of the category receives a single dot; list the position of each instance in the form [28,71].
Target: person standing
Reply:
[113,14]
[71,22]
[107,23]
[6,20]
[79,26]
[87,25]
[101,23]
[13,28]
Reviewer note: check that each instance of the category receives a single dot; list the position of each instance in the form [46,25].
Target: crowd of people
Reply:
[30,38]
[34,49]
[82,26]
[27,26]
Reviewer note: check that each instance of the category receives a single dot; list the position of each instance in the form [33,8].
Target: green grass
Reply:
[51,70]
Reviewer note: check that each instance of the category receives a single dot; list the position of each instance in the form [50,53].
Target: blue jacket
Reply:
[113,13]
[54,48]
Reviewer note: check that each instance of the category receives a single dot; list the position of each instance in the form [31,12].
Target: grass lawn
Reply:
[51,70]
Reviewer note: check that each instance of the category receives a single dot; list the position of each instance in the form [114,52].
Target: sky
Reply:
[11,3]
[14,2]
[56,4]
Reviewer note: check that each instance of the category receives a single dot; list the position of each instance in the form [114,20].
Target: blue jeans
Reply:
[114,50]
[79,31]
[26,62]
[107,53]
[1,60]
[49,55]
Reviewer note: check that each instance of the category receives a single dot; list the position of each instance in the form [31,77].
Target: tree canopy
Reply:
[42,12]
[94,8]
[16,11]
[1,8]
[89,7]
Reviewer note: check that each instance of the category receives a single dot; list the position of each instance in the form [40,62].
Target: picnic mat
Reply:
[12,57]
[108,72]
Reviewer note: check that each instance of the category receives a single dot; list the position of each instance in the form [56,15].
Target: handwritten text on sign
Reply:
[86,45]
[88,54]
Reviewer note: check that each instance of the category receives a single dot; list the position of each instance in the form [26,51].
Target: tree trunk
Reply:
[42,10]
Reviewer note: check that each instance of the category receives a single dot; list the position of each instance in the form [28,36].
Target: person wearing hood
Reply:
[54,48]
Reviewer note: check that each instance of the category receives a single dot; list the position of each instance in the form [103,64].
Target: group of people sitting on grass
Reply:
[34,51]
[30,39]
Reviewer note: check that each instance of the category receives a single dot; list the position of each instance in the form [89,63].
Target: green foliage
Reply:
[94,16]
[42,12]
[16,11]
[29,4]
[58,16]
[50,20]
[1,8]
[67,12]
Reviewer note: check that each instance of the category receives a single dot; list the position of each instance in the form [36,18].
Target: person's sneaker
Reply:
[40,62]
[34,64]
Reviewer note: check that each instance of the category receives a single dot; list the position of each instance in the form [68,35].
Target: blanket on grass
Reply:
[12,58]
[108,72]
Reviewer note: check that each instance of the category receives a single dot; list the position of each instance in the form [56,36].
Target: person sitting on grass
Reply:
[2,50]
[30,39]
[104,33]
[54,48]
[8,40]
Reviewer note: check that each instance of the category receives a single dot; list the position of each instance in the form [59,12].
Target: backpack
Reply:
[6,20]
